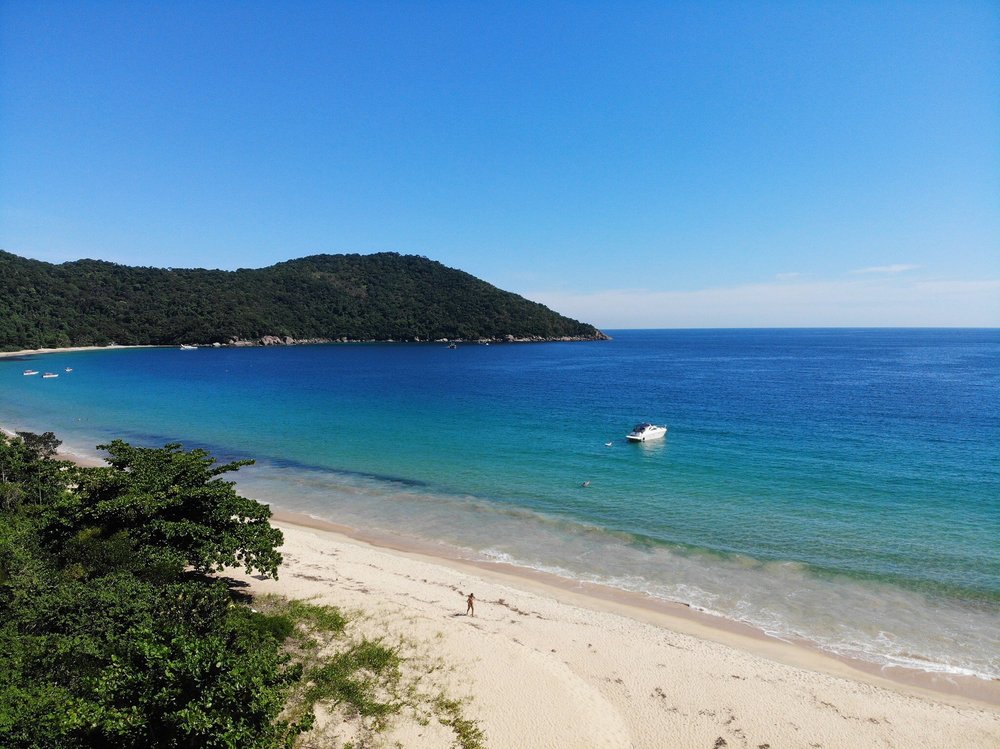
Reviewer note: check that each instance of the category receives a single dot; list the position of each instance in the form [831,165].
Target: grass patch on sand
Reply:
[353,686]
[467,732]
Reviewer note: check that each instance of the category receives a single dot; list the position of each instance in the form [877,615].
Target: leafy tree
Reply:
[43,445]
[27,472]
[170,500]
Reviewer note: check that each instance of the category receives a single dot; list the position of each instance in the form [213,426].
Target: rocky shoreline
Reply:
[274,340]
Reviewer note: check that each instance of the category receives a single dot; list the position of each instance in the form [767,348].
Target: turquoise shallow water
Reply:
[837,485]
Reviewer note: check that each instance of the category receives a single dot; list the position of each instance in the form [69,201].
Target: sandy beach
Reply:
[544,666]
[66,350]
[545,662]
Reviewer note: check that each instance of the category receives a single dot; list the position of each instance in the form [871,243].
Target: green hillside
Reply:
[380,297]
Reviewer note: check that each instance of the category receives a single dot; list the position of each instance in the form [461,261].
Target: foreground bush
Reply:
[112,632]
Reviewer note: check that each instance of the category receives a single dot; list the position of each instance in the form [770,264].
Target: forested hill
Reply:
[378,297]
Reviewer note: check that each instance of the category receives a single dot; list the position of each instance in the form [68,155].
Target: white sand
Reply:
[541,666]
[66,350]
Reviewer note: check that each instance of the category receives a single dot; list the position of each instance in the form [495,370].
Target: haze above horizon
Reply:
[630,165]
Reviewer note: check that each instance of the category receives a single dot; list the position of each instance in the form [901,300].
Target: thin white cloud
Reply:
[787,276]
[889,269]
[869,302]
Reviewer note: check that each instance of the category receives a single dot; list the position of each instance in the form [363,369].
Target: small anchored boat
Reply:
[29,372]
[49,375]
[646,431]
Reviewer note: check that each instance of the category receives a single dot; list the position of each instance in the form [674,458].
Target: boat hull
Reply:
[648,434]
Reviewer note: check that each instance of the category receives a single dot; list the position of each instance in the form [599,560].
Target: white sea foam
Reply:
[874,621]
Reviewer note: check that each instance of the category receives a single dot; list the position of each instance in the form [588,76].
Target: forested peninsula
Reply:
[380,297]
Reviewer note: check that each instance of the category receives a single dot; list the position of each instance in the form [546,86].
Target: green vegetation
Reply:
[385,296]
[114,632]
[468,734]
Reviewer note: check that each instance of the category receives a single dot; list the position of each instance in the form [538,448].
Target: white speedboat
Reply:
[645,431]
[185,347]
[49,375]
[28,372]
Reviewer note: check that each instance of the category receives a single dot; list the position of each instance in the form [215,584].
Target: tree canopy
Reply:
[170,500]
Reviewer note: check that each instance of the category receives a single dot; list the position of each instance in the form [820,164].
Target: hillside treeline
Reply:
[384,296]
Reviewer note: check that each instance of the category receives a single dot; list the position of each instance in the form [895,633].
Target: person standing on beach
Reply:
[471,600]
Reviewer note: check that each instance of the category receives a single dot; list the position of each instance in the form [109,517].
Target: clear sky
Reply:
[631,164]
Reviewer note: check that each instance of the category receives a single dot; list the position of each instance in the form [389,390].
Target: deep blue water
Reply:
[837,485]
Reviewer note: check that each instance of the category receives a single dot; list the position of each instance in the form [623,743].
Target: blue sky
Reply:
[630,164]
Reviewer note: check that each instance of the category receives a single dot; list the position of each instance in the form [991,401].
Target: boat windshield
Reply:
[640,427]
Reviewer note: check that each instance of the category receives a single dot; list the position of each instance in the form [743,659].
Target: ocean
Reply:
[836,486]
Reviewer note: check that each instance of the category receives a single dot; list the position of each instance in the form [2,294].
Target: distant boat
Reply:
[49,375]
[30,372]
[69,369]
[185,347]
[646,431]
[452,345]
